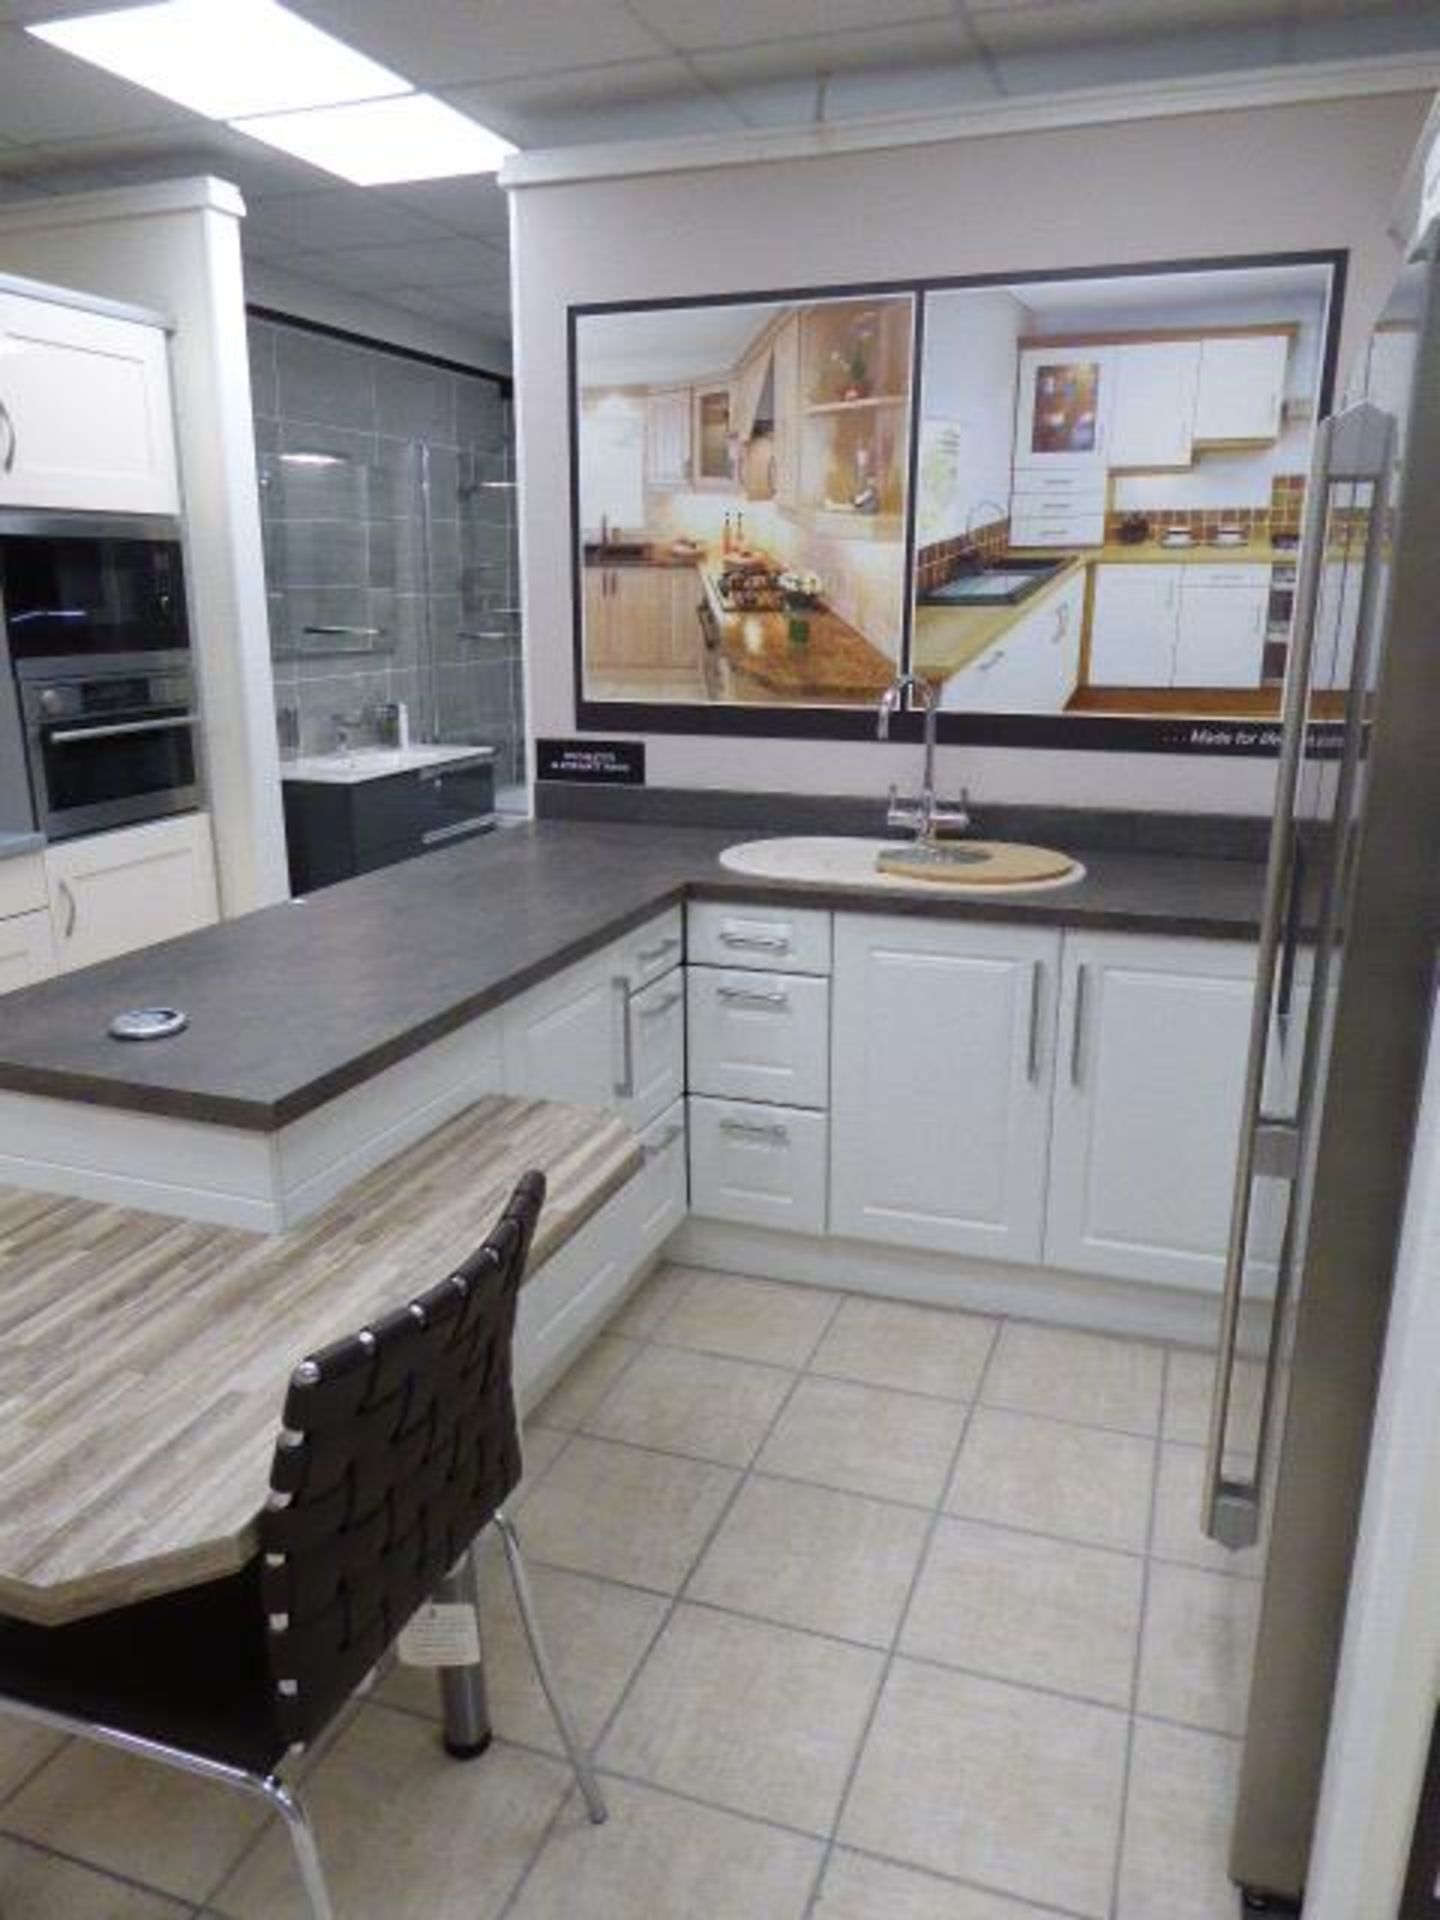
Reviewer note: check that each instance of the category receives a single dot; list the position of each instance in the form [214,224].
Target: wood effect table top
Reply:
[144,1359]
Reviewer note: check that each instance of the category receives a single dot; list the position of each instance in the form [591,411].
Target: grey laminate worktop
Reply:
[295,1004]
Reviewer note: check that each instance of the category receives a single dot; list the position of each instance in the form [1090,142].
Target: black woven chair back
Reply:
[400,1442]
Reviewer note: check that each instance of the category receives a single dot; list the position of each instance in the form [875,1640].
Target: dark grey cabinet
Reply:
[335,830]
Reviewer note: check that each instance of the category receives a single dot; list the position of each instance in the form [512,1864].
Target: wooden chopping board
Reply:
[1005,864]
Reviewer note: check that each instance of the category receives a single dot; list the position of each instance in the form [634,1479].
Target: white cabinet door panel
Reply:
[759,1036]
[1134,621]
[563,1038]
[1220,638]
[1153,1041]
[661,1188]
[87,421]
[27,951]
[940,1083]
[113,892]
[1241,389]
[657,1049]
[759,1166]
[1153,422]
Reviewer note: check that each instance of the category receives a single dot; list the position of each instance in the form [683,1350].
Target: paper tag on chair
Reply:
[442,1634]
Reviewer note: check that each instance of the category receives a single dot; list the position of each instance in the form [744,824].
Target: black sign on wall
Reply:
[612,763]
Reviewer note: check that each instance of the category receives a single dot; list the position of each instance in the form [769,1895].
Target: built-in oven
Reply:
[111,745]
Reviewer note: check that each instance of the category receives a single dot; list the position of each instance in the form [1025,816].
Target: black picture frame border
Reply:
[1102,733]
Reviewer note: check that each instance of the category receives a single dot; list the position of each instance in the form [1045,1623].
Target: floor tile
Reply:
[658,1858]
[597,1634]
[404,1830]
[810,1557]
[1190,1386]
[749,1319]
[539,1448]
[1177,1826]
[1198,1641]
[624,1514]
[647,1308]
[136,1817]
[1052,1476]
[895,1446]
[1046,1613]
[1076,1376]
[23,1747]
[37,1886]
[857,1888]
[888,1343]
[693,1403]
[1014,1790]
[581,1390]
[748,1716]
[1178,1534]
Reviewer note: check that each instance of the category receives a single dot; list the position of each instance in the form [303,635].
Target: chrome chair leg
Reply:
[302,1839]
[529,1619]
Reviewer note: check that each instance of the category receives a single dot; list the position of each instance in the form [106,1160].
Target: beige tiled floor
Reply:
[872,1613]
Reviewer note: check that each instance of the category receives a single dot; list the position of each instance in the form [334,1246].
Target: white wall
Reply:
[1316,175]
[176,248]
[267,285]
[968,392]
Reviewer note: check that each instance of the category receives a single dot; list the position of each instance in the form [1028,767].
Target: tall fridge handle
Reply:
[1346,449]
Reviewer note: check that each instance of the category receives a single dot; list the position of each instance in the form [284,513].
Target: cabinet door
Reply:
[787,413]
[667,437]
[1042,654]
[686,640]
[941,1068]
[1221,636]
[113,892]
[87,421]
[1154,416]
[1153,1041]
[27,951]
[1241,387]
[563,1040]
[1133,626]
[714,464]
[656,1041]
[1062,408]
[640,613]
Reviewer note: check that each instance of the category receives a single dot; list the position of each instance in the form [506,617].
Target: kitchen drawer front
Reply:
[1033,487]
[1203,574]
[415,811]
[759,1036]
[759,1166]
[661,1188]
[22,885]
[656,1017]
[778,940]
[1058,526]
[652,950]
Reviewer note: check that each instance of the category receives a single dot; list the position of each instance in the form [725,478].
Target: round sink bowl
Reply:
[961,866]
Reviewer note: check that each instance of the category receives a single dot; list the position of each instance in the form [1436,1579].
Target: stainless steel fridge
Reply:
[1345,988]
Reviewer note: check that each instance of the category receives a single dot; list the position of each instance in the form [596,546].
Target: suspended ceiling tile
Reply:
[693,24]
[474,205]
[46,95]
[647,99]
[1039,25]
[336,217]
[426,263]
[884,48]
[451,42]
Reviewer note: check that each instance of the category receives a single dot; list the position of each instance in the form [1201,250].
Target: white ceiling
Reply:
[561,72]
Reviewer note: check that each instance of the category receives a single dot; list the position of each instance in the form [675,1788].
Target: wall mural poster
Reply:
[1108,474]
[1110,494]
[742,481]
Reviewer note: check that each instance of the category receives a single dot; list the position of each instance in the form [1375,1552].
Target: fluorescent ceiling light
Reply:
[223,58]
[415,137]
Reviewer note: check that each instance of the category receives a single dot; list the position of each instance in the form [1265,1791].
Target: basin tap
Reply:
[926,817]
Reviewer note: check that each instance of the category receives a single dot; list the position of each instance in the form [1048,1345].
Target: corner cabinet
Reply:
[85,413]
[1153,1040]
[942,1063]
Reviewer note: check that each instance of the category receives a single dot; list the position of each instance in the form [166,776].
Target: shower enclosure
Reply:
[388,512]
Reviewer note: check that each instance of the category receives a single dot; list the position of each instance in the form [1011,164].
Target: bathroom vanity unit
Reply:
[894,1089]
[348,813]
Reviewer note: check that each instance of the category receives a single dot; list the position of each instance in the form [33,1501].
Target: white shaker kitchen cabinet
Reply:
[1153,419]
[942,1058]
[27,951]
[1152,1045]
[656,1043]
[667,437]
[759,1036]
[1241,389]
[1220,639]
[1034,668]
[565,1039]
[757,1166]
[113,892]
[85,413]
[1134,624]
[1063,404]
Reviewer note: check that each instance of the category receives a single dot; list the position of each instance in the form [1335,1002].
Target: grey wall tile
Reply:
[414,400]
[324,380]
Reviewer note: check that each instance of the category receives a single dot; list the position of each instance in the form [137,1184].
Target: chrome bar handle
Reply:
[756,942]
[625,1078]
[67,735]
[457,829]
[1352,446]
[1032,1048]
[754,996]
[652,1149]
[671,944]
[12,439]
[654,1011]
[1077,1031]
[756,1129]
[67,899]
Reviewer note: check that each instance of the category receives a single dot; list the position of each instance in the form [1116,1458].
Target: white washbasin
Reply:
[848,860]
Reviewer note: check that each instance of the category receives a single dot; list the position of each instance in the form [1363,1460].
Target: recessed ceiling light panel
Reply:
[379,142]
[223,58]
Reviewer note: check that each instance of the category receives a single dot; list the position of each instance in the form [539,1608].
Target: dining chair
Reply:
[398,1446]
